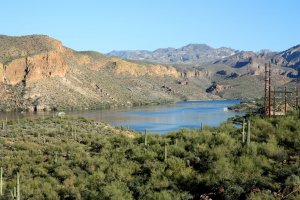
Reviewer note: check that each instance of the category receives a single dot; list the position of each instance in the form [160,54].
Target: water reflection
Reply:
[158,119]
[166,118]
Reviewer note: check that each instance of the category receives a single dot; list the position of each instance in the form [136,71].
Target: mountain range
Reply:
[38,72]
[202,53]
[192,53]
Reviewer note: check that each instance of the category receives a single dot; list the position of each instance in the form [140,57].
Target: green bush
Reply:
[75,158]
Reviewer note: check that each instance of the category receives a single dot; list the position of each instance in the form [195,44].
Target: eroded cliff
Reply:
[51,76]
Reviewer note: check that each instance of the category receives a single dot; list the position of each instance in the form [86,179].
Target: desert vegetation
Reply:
[74,158]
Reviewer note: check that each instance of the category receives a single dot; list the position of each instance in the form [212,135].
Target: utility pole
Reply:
[297,93]
[274,102]
[266,83]
[269,89]
[285,100]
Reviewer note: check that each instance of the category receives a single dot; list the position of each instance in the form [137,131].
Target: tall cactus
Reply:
[1,181]
[16,194]
[243,133]
[145,138]
[248,133]
[13,193]
[72,130]
[18,187]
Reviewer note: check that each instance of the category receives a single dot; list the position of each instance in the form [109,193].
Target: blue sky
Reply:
[150,24]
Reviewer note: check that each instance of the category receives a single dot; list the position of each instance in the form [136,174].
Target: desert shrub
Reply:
[75,158]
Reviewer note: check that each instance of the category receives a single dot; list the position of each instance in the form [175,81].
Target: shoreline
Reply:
[108,107]
[152,117]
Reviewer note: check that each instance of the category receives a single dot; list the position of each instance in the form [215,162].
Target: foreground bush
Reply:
[67,158]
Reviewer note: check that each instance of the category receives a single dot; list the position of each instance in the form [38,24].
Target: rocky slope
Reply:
[37,72]
[242,74]
[247,62]
[190,54]
[234,74]
[285,63]
[288,58]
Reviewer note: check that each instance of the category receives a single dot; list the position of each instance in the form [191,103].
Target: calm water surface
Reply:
[166,118]
[157,119]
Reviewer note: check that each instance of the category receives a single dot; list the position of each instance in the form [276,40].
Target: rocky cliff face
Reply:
[27,65]
[33,68]
[1,72]
[244,62]
[288,58]
[38,72]
[46,75]
[16,47]
[247,62]
[31,58]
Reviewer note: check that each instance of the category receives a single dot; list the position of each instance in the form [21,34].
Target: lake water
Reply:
[157,119]
[166,118]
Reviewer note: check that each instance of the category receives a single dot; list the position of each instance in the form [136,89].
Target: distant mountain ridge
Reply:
[288,58]
[202,53]
[234,73]
[39,73]
[189,54]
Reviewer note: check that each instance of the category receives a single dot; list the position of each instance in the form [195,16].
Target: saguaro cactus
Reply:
[243,133]
[145,138]
[248,133]
[13,193]
[16,194]
[72,130]
[18,187]
[1,181]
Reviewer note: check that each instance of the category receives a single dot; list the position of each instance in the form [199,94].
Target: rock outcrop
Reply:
[43,75]
[38,73]
[2,76]
[217,88]
[34,68]
[288,58]
[31,58]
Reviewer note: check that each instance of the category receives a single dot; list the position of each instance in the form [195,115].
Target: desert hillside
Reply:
[233,73]
[37,72]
